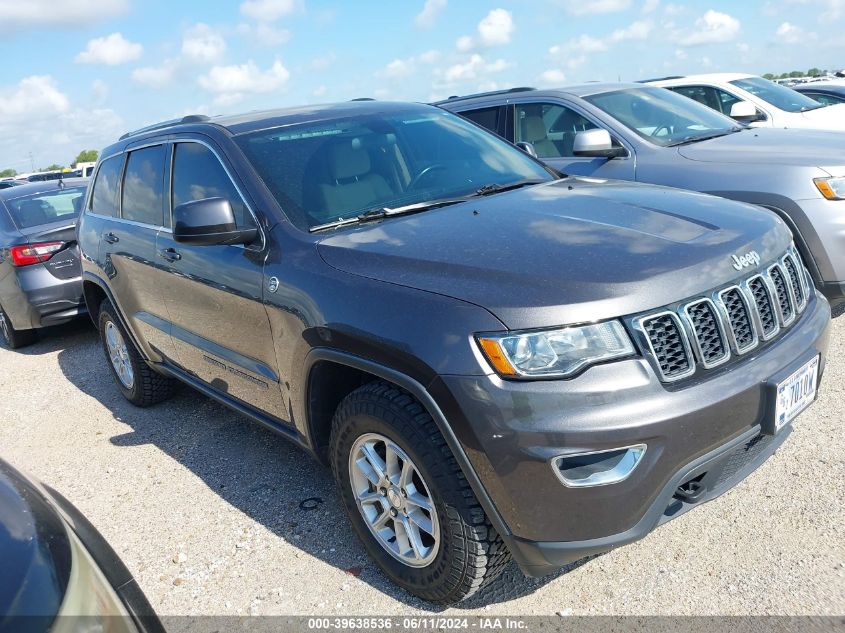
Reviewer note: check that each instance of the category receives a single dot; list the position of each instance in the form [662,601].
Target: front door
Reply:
[214,294]
[551,128]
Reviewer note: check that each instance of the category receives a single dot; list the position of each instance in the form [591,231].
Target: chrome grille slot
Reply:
[795,282]
[782,294]
[765,308]
[707,333]
[668,345]
[740,323]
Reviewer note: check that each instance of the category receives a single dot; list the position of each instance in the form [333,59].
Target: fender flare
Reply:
[418,390]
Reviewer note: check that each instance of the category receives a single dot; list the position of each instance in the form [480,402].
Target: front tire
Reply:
[12,338]
[408,499]
[136,380]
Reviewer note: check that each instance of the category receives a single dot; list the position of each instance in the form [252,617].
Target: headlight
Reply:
[831,188]
[555,353]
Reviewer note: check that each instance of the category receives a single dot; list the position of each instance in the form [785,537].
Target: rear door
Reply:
[214,294]
[127,241]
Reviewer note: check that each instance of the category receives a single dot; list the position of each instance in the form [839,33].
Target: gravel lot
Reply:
[204,508]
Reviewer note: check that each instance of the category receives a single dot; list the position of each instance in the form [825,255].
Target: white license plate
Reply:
[796,393]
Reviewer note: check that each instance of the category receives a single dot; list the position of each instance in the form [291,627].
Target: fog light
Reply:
[598,468]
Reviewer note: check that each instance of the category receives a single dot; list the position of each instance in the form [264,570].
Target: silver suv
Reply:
[648,134]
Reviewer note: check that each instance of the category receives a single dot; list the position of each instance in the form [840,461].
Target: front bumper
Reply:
[512,430]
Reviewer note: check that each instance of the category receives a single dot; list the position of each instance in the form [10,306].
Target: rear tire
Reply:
[137,381]
[13,338]
[467,554]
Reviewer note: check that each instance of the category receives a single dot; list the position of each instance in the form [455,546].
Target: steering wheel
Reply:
[660,128]
[425,172]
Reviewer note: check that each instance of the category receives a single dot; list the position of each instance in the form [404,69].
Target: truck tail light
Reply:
[28,254]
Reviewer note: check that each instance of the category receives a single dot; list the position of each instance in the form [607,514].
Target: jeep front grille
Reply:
[708,331]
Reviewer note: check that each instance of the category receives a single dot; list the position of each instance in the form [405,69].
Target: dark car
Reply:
[826,92]
[6,184]
[59,573]
[40,276]
[496,362]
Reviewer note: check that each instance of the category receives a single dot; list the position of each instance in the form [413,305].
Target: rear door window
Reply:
[143,186]
[198,174]
[104,197]
[489,118]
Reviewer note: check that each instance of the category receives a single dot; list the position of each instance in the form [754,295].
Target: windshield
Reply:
[779,96]
[44,208]
[662,116]
[332,170]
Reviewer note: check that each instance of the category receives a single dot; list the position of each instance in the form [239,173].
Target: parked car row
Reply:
[529,344]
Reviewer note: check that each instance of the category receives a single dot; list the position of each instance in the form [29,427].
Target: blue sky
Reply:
[78,73]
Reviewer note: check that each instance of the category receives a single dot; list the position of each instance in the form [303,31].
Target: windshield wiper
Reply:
[492,188]
[377,213]
[703,137]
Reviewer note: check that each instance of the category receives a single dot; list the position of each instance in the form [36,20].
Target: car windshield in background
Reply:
[779,96]
[662,116]
[44,208]
[325,172]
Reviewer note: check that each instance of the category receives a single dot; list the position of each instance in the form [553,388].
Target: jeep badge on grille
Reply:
[744,261]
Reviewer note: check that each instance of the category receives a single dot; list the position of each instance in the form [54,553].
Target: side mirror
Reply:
[596,143]
[528,148]
[744,111]
[208,222]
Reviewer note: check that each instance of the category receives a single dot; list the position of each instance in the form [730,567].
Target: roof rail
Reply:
[362,99]
[191,118]
[648,81]
[492,93]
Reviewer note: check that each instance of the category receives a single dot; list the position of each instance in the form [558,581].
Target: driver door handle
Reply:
[170,254]
[111,238]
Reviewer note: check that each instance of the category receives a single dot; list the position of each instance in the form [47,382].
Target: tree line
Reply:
[813,72]
[85,156]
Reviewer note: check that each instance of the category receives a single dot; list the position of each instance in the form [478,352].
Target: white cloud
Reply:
[464,43]
[495,29]
[269,10]
[319,91]
[264,34]
[202,44]
[230,83]
[649,6]
[111,50]
[472,68]
[788,33]
[426,18]
[639,30]
[156,77]
[680,54]
[429,57]
[398,68]
[711,28]
[585,7]
[18,15]
[553,77]
[33,95]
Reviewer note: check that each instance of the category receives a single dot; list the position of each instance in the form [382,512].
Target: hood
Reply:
[830,117]
[807,148]
[569,251]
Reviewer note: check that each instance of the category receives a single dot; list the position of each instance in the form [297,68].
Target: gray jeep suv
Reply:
[494,361]
[653,135]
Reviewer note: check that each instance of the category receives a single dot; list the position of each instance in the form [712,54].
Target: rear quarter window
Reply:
[104,196]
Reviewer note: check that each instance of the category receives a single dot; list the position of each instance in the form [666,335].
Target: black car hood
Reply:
[35,553]
[569,251]
[771,146]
